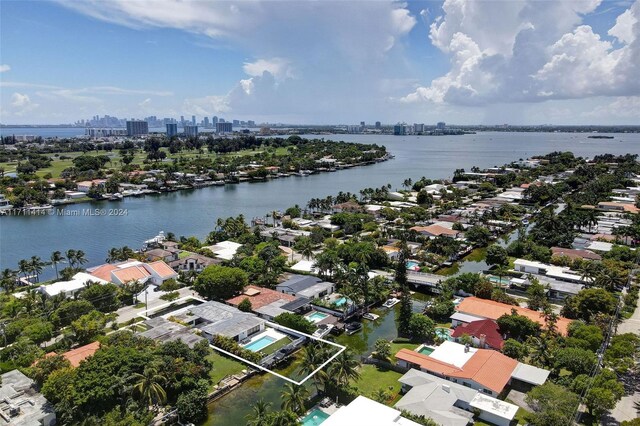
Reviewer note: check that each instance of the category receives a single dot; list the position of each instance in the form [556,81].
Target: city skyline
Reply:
[322,62]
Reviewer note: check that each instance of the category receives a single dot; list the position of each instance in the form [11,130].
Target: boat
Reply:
[116,196]
[323,330]
[391,302]
[370,316]
[353,327]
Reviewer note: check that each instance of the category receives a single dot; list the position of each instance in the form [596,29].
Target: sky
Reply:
[322,62]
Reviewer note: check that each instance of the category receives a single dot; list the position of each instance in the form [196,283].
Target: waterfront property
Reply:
[484,334]
[364,411]
[260,341]
[214,318]
[163,330]
[449,403]
[306,286]
[265,302]
[21,404]
[482,369]
[224,250]
[133,270]
[474,308]
[72,287]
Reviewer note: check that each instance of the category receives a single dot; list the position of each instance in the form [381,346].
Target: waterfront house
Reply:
[265,302]
[214,318]
[449,403]
[193,263]
[436,230]
[162,330]
[86,185]
[575,254]
[560,273]
[21,403]
[224,250]
[72,287]
[485,370]
[366,412]
[154,273]
[161,254]
[306,286]
[474,308]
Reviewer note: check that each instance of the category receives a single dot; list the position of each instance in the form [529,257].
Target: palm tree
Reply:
[80,257]
[56,257]
[313,357]
[258,416]
[24,267]
[36,265]
[344,368]
[294,397]
[148,386]
[8,280]
[113,255]
[71,257]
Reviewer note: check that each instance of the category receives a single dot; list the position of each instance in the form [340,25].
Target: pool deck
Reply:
[268,332]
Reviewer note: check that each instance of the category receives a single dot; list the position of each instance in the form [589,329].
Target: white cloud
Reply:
[22,104]
[145,103]
[278,67]
[526,57]
[5,68]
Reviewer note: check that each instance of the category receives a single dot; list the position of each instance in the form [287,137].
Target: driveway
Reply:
[152,299]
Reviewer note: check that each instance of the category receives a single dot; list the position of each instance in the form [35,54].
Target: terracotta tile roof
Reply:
[162,269]
[263,298]
[486,367]
[575,254]
[103,271]
[486,327]
[493,310]
[435,230]
[75,356]
[131,273]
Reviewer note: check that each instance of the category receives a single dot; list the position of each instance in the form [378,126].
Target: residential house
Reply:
[560,273]
[224,250]
[193,263]
[575,254]
[306,286]
[163,330]
[86,185]
[485,370]
[72,287]
[450,404]
[214,318]
[166,255]
[21,404]
[436,230]
[77,355]
[484,334]
[364,411]
[154,273]
[265,302]
[474,308]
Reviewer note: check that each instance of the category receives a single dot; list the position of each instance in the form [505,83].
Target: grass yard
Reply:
[222,367]
[373,378]
[400,343]
[184,253]
[275,346]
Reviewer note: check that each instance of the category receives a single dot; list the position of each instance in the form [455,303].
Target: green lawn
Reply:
[275,346]
[400,343]
[373,378]
[222,367]
[184,254]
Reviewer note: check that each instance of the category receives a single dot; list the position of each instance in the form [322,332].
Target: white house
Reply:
[71,287]
[364,411]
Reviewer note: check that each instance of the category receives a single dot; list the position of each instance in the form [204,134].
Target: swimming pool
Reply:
[261,343]
[314,418]
[426,350]
[316,316]
[443,333]
[341,301]
[411,264]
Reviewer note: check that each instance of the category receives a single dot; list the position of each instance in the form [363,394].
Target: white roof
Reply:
[305,266]
[459,316]
[530,374]
[599,246]
[225,249]
[363,411]
[453,353]
[78,282]
[494,406]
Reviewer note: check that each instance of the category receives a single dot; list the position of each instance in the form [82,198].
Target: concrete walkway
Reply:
[152,299]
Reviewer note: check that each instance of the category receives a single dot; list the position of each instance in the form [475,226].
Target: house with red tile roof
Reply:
[485,370]
[133,270]
[77,355]
[436,230]
[484,334]
[475,308]
[575,254]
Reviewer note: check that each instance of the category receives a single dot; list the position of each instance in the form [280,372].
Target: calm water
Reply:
[194,212]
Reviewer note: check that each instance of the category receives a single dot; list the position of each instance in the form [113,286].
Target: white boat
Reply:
[323,330]
[370,316]
[391,302]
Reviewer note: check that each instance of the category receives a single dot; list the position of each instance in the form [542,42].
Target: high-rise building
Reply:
[206,122]
[362,124]
[418,128]
[378,125]
[137,127]
[236,122]
[191,131]
[441,125]
[214,120]
[182,121]
[224,127]
[193,120]
[221,120]
[399,129]
[251,123]
[172,129]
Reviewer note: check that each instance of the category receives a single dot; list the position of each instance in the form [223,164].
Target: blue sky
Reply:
[463,61]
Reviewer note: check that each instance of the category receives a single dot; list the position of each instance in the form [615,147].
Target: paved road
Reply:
[625,410]
[152,299]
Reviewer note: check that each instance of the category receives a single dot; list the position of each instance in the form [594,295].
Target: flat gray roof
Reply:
[530,374]
[19,390]
[223,319]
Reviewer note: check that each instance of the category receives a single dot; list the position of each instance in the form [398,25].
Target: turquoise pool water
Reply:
[314,418]
[443,333]
[341,301]
[426,350]
[316,317]
[260,344]
[411,264]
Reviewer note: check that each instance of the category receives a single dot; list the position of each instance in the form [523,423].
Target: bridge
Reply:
[423,278]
